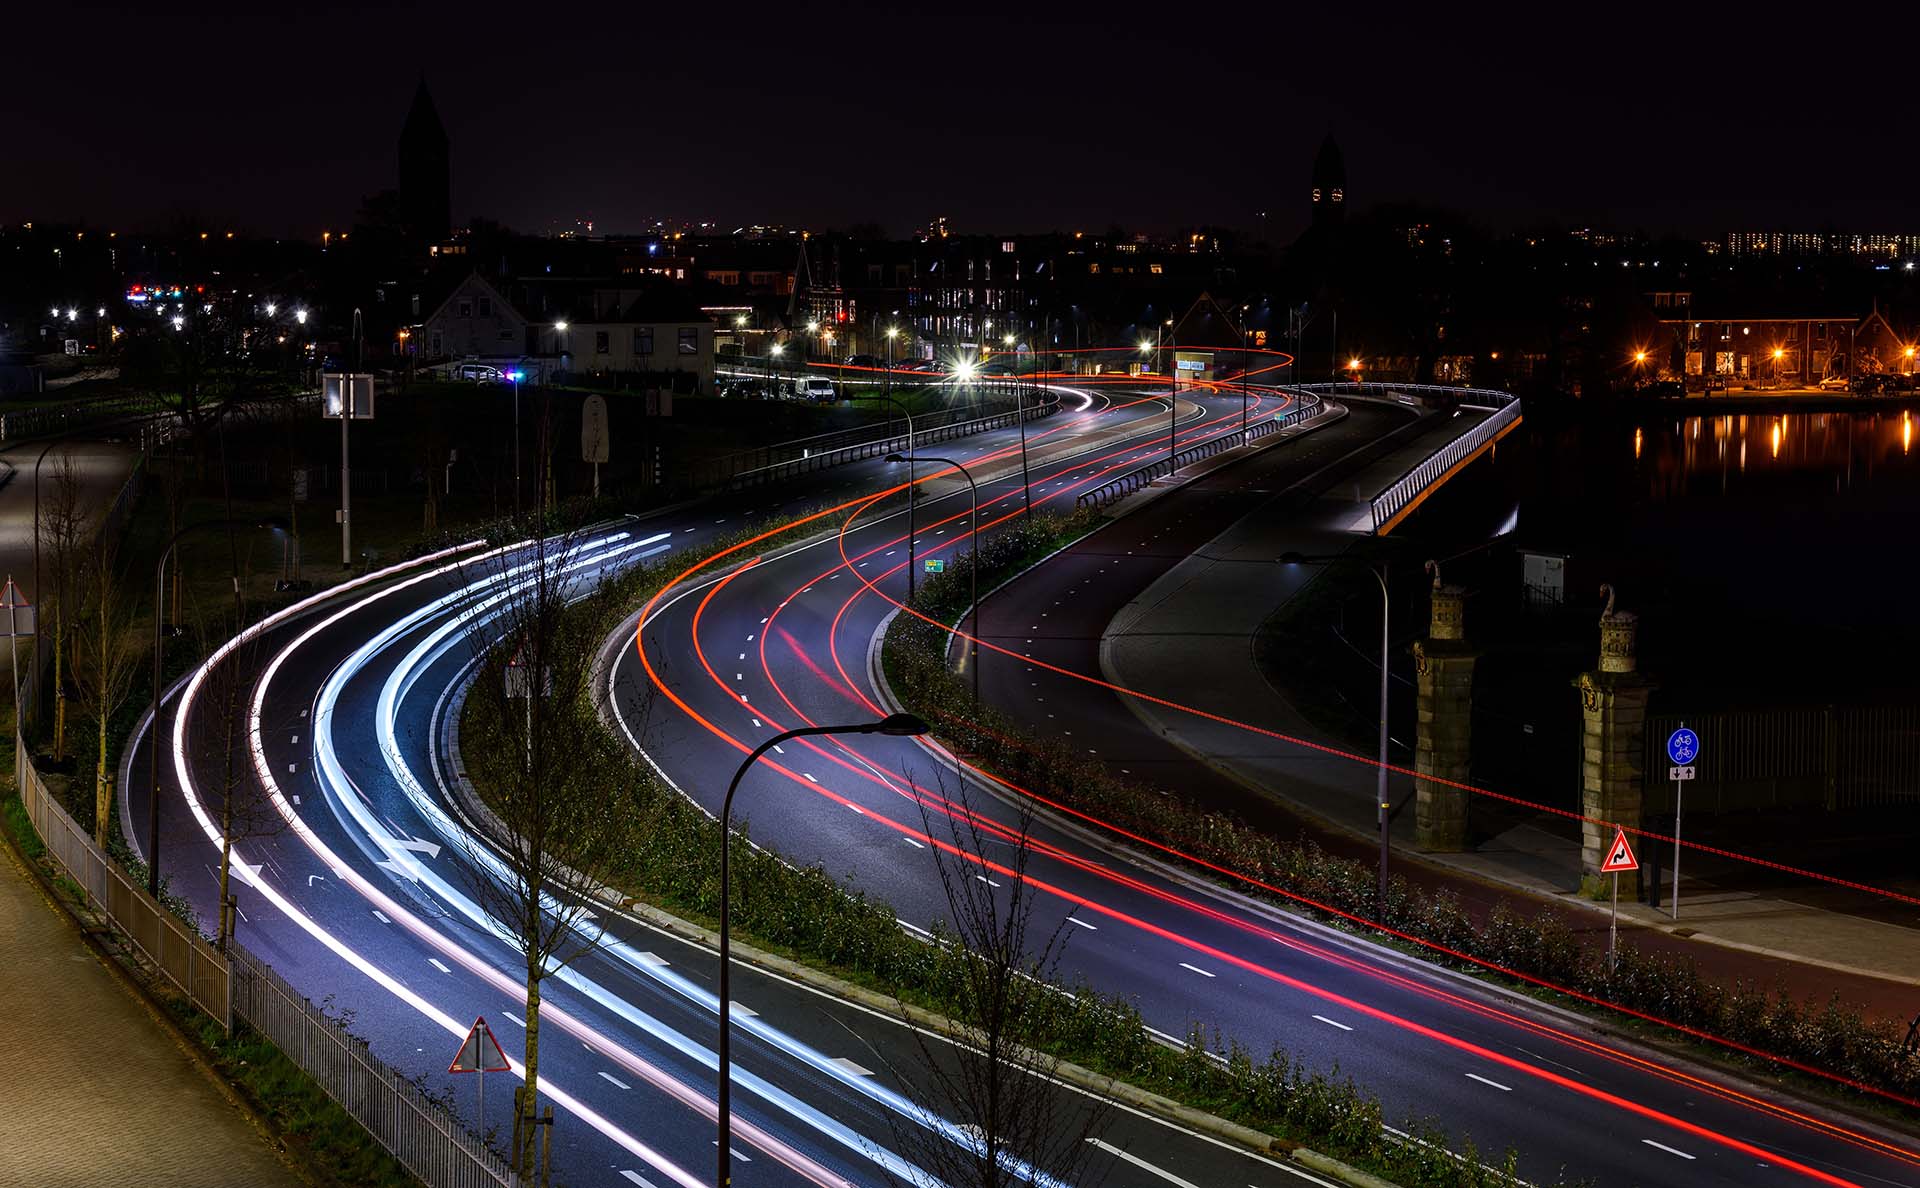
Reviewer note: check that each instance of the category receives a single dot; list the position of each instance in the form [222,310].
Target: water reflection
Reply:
[1833,451]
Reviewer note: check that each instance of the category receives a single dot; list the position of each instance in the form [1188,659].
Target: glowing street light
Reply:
[300,316]
[178,321]
[270,308]
[1639,356]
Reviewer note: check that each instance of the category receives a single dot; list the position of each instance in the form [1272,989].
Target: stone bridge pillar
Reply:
[1443,667]
[1613,713]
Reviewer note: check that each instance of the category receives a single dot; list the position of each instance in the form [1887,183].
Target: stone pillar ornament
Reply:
[1613,722]
[1443,666]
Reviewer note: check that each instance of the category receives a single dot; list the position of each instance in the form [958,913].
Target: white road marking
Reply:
[989,882]
[1331,1023]
[741,1008]
[652,958]
[615,1080]
[639,1179]
[512,1018]
[1084,924]
[851,1067]
[756,722]
[381,916]
[1668,1150]
[916,845]
[1495,1084]
[809,775]
[1142,1164]
[739,676]
[435,962]
[296,738]
[856,808]
[750,637]
[735,1150]
[1196,969]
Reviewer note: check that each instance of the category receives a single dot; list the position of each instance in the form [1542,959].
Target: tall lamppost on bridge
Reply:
[1173,390]
[974,569]
[894,725]
[1379,573]
[1020,415]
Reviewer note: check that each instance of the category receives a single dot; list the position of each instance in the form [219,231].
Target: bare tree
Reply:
[105,661]
[64,524]
[1016,1124]
[560,796]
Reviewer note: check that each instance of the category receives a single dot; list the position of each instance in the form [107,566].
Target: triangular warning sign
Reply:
[1620,857]
[479,1052]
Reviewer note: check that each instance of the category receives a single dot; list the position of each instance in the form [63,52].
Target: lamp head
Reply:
[900,726]
[896,457]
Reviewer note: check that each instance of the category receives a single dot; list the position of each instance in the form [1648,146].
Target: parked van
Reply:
[815,387]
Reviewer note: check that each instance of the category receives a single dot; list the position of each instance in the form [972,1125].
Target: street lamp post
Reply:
[1020,415]
[895,725]
[893,332]
[912,486]
[773,357]
[1380,794]
[974,569]
[153,751]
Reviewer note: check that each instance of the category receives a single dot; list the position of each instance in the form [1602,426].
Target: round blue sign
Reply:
[1683,747]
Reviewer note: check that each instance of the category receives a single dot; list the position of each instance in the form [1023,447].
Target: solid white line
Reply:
[1667,1149]
[616,1080]
[1196,969]
[916,845]
[435,962]
[1138,1162]
[1495,1084]
[1084,924]
[1331,1023]
[639,1179]
[381,916]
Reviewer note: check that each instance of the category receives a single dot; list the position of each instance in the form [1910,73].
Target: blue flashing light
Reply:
[516,376]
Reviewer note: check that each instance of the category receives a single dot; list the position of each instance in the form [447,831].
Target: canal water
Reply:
[1770,556]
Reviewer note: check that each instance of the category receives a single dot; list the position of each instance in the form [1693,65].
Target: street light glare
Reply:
[270,308]
[893,331]
[560,326]
[300,316]
[1145,347]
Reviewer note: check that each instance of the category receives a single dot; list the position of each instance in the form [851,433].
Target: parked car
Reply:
[479,373]
[1833,383]
[864,361]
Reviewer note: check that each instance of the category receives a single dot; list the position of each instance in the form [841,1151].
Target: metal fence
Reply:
[872,447]
[1140,476]
[417,1130]
[1834,757]
[194,967]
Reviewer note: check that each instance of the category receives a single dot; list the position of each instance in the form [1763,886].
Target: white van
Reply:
[815,387]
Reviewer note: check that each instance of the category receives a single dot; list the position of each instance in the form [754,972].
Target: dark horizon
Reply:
[1039,124]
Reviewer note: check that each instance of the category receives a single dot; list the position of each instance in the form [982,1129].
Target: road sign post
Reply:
[349,396]
[1619,858]
[17,626]
[593,436]
[480,1053]
[1683,748]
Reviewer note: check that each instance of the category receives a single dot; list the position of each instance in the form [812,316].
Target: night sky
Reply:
[277,118]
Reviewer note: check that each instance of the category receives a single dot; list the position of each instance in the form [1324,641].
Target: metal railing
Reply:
[183,957]
[1140,476]
[1409,486]
[1433,393]
[889,443]
[420,1132]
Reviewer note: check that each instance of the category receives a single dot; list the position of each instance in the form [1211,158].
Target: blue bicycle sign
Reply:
[1683,747]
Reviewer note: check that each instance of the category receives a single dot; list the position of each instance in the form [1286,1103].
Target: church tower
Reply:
[1329,185]
[425,185]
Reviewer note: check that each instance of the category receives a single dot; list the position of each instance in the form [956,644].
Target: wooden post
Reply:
[546,1148]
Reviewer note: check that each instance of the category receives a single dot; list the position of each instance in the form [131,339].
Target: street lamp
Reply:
[1380,795]
[974,570]
[773,354]
[1020,415]
[893,725]
[893,332]
[912,486]
[516,375]
[153,754]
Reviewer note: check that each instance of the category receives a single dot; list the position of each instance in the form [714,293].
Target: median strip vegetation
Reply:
[1831,1044]
[807,914]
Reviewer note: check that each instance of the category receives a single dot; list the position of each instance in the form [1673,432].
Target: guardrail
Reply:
[890,443]
[1140,476]
[421,1133]
[1437,393]
[1409,487]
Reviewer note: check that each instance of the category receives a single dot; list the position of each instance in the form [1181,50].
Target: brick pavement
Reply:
[95,1090]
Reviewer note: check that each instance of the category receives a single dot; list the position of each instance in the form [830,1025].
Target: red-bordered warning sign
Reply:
[1620,857]
[479,1052]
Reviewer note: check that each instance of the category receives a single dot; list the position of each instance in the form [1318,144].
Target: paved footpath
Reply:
[97,1091]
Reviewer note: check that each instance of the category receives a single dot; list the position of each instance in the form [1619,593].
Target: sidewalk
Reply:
[1188,637]
[99,1091]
